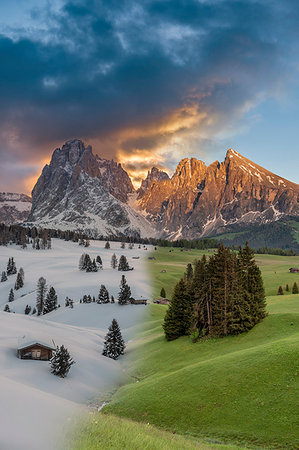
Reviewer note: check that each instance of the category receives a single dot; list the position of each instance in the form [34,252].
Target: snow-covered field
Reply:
[35,406]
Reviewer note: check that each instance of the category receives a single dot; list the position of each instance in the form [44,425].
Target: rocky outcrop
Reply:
[202,200]
[79,190]
[14,208]
[153,175]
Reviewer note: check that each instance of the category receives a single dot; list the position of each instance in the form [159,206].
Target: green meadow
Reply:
[238,390]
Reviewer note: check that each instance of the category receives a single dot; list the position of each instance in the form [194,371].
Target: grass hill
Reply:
[281,234]
[238,389]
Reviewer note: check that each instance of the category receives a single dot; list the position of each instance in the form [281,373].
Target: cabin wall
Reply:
[35,352]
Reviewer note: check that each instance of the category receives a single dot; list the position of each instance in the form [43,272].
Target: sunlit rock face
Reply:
[79,190]
[202,200]
[14,208]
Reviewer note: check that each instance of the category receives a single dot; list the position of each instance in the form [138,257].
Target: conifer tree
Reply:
[19,281]
[287,288]
[107,245]
[27,309]
[87,263]
[81,262]
[103,296]
[51,301]
[114,261]
[163,292]
[123,265]
[178,318]
[123,245]
[11,296]
[34,311]
[94,267]
[11,267]
[112,299]
[41,295]
[189,273]
[114,345]
[280,291]
[3,276]
[253,285]
[99,262]
[295,288]
[6,308]
[87,243]
[124,293]
[61,362]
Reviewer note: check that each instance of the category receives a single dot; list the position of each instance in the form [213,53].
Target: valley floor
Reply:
[36,407]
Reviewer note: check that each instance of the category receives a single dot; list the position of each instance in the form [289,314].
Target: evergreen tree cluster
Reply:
[295,289]
[85,263]
[114,345]
[220,296]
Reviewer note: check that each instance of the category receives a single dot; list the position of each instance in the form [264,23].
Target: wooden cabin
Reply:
[29,348]
[162,301]
[138,301]
[294,270]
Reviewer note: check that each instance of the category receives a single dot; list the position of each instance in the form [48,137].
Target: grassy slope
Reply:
[239,388]
[100,432]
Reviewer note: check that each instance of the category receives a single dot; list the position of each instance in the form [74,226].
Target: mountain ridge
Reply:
[79,190]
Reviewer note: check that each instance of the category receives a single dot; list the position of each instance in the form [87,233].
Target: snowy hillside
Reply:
[14,208]
[29,392]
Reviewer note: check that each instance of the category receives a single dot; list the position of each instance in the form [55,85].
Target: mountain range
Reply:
[79,190]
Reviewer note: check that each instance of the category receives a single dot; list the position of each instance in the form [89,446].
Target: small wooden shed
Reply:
[29,348]
[162,301]
[138,301]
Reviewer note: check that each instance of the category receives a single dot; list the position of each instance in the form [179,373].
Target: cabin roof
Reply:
[28,341]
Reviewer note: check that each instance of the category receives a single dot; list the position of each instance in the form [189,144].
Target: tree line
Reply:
[218,296]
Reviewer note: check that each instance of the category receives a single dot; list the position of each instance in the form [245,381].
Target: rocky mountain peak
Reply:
[154,174]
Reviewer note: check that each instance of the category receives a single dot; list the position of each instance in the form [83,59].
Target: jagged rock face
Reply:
[14,208]
[153,175]
[200,200]
[79,190]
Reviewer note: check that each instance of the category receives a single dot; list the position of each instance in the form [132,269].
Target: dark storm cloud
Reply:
[100,68]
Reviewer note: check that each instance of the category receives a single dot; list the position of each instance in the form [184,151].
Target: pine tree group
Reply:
[85,263]
[114,345]
[223,295]
[61,362]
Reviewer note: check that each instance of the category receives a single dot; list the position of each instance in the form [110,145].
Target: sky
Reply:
[148,83]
